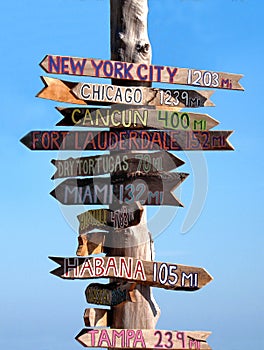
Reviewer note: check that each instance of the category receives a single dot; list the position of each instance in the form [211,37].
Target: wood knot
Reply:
[142,48]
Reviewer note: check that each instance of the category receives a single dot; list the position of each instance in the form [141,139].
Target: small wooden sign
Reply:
[154,274]
[140,72]
[137,118]
[128,140]
[106,94]
[110,294]
[90,243]
[150,189]
[105,219]
[143,338]
[116,162]
[97,317]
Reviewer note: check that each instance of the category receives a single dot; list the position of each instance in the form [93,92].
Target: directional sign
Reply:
[136,118]
[105,94]
[154,274]
[143,338]
[97,317]
[139,72]
[116,162]
[106,219]
[153,189]
[92,243]
[128,140]
[110,294]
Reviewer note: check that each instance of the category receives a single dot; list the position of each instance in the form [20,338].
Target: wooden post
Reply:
[130,43]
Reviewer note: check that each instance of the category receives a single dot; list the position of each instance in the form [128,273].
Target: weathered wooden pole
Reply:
[130,43]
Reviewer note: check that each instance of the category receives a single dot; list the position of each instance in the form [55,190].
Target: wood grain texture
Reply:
[124,188]
[94,317]
[106,94]
[137,118]
[143,338]
[111,294]
[107,219]
[130,162]
[130,43]
[128,140]
[155,274]
[90,243]
[141,72]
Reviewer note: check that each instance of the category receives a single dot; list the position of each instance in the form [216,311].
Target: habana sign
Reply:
[140,72]
[154,189]
[114,163]
[143,339]
[106,94]
[154,274]
[128,140]
[136,118]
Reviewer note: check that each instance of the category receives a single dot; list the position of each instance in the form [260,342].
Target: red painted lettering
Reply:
[111,264]
[35,139]
[98,267]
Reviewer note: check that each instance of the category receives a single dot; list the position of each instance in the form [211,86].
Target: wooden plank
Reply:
[136,118]
[116,162]
[143,338]
[92,67]
[155,274]
[128,140]
[90,243]
[148,189]
[106,94]
[96,317]
[106,219]
[111,294]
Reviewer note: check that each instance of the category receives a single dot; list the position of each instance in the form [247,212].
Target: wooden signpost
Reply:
[140,118]
[106,219]
[97,317]
[105,94]
[128,140]
[92,67]
[137,118]
[110,294]
[143,338]
[148,189]
[90,243]
[155,274]
[116,162]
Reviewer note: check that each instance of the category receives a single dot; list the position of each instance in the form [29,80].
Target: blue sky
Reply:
[44,312]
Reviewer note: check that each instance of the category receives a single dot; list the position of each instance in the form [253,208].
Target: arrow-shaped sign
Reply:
[116,162]
[105,94]
[154,274]
[105,219]
[140,72]
[153,189]
[143,338]
[110,294]
[128,140]
[136,118]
